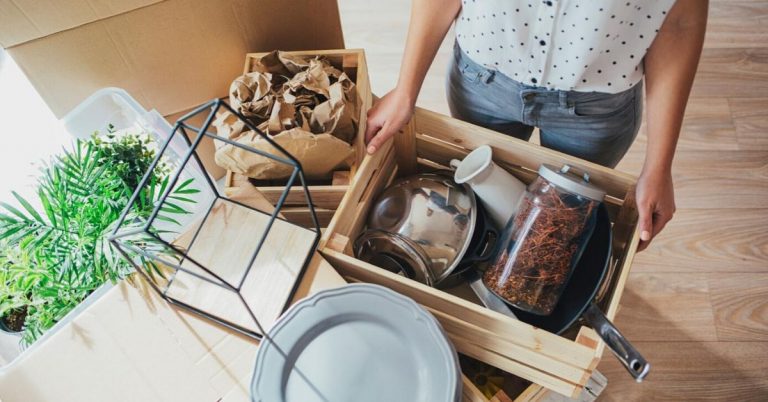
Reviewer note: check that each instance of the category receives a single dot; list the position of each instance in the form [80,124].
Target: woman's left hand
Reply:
[655,204]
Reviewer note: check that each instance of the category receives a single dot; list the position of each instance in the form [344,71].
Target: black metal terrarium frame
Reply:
[121,233]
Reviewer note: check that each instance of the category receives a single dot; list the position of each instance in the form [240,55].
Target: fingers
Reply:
[380,138]
[645,223]
[645,226]
[373,127]
[650,224]
[660,221]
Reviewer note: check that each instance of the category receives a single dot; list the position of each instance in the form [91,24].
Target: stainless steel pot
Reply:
[437,214]
[395,253]
[430,229]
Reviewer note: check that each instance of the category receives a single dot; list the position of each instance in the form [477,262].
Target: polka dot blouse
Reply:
[581,45]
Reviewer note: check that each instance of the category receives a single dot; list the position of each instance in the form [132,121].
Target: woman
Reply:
[573,68]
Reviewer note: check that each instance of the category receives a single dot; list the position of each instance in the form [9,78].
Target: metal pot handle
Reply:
[486,248]
[632,360]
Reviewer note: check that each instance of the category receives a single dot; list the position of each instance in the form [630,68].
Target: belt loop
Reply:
[488,75]
[563,97]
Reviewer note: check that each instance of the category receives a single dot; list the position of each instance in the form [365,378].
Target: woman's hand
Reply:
[430,21]
[387,117]
[655,204]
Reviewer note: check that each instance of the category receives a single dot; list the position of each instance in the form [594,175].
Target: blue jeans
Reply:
[598,127]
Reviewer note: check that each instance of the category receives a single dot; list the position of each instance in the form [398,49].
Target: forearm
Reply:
[430,21]
[670,66]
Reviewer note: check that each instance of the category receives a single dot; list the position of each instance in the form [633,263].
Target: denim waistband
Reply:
[540,94]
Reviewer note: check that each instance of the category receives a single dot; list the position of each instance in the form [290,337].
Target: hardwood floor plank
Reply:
[737,24]
[692,371]
[701,183]
[750,116]
[710,240]
[740,303]
[663,307]
[707,125]
[692,160]
[732,73]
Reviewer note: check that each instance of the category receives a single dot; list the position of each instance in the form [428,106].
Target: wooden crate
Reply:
[561,364]
[523,391]
[326,197]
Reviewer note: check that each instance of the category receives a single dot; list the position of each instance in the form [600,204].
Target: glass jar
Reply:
[542,243]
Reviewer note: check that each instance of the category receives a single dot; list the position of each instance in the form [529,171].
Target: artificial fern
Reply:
[60,251]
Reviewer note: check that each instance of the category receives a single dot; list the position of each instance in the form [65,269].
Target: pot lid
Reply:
[571,182]
[434,212]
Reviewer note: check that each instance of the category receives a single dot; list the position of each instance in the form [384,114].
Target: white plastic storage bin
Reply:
[104,108]
[115,107]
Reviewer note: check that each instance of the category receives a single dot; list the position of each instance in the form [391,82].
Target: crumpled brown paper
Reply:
[307,103]
[317,153]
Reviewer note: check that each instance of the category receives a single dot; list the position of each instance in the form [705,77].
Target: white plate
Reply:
[359,342]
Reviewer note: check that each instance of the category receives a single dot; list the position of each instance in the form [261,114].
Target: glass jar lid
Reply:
[571,182]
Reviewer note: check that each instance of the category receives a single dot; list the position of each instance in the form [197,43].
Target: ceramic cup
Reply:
[499,191]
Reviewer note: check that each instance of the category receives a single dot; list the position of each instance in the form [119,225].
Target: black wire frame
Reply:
[119,236]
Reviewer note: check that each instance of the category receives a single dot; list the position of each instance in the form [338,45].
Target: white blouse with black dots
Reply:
[580,45]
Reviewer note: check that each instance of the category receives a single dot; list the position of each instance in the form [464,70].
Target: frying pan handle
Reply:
[632,360]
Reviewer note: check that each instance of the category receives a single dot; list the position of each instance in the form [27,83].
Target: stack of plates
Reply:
[356,343]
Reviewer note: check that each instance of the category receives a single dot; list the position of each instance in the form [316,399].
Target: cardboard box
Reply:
[170,55]
[130,345]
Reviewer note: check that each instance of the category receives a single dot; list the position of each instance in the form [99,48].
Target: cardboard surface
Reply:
[25,20]
[170,55]
[130,345]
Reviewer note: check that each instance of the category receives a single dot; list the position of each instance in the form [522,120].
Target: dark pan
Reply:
[577,299]
[584,282]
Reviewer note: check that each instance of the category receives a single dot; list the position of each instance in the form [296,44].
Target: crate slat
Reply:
[366,181]
[469,136]
[517,332]
[430,141]
[328,197]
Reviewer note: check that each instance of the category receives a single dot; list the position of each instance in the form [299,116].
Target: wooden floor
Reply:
[697,300]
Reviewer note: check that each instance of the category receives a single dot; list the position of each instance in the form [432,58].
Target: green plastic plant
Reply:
[56,255]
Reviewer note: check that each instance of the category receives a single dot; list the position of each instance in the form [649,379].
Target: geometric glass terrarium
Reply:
[228,257]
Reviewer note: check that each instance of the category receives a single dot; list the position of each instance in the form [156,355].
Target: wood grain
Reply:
[694,303]
[751,121]
[732,73]
[710,240]
[707,125]
[740,303]
[737,24]
[692,371]
[680,301]
[225,245]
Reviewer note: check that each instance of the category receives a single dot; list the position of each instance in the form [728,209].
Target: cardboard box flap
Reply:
[25,20]
[172,55]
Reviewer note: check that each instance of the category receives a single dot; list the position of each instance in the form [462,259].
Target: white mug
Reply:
[499,191]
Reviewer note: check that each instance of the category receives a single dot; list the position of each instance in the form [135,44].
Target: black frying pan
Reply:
[577,300]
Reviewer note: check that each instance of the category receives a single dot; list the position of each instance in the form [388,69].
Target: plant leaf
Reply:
[27,206]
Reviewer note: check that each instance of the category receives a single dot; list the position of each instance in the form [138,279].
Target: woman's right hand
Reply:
[387,117]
